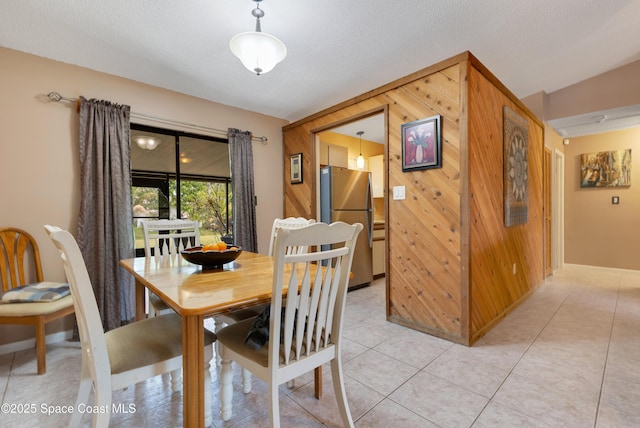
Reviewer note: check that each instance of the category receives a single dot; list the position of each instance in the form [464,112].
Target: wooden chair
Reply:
[167,237]
[126,355]
[19,254]
[307,306]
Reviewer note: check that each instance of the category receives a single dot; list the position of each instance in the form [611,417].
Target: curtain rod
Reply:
[55,96]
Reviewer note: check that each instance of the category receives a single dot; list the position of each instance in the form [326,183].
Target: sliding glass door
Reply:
[180,175]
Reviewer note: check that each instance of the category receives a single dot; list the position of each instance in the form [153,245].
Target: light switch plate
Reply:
[398,193]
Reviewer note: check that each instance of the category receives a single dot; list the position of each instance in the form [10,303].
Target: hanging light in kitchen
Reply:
[258,51]
[360,160]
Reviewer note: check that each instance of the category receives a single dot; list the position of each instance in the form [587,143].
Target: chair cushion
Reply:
[233,336]
[40,308]
[242,314]
[158,304]
[146,342]
[36,292]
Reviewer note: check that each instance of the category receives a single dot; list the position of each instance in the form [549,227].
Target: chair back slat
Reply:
[303,305]
[316,285]
[331,295]
[169,237]
[313,307]
[19,258]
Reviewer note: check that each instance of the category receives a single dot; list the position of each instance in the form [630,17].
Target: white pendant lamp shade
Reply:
[258,51]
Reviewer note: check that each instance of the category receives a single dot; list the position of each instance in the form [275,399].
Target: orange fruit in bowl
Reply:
[222,246]
[210,247]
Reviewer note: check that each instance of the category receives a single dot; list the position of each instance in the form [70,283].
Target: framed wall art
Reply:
[421,144]
[606,169]
[296,168]
[516,168]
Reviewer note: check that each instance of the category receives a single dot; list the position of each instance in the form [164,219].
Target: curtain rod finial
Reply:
[54,96]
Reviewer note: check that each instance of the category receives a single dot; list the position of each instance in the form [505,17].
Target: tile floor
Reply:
[567,357]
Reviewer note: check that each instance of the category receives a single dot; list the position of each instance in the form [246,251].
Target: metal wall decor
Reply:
[516,168]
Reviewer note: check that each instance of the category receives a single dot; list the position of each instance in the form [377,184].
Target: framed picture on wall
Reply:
[421,144]
[296,168]
[606,169]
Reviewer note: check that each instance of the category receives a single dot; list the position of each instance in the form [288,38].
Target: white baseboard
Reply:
[31,343]
[613,269]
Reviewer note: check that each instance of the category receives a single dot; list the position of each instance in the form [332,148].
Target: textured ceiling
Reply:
[337,49]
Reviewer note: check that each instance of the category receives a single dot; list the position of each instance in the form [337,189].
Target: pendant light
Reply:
[258,51]
[360,160]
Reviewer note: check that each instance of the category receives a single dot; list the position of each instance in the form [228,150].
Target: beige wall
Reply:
[617,88]
[38,146]
[598,233]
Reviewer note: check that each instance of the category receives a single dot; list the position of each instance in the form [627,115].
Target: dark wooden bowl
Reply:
[210,259]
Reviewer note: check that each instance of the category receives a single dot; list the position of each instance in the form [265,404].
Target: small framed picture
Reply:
[421,144]
[296,168]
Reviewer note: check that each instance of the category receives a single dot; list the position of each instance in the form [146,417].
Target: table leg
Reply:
[140,299]
[317,377]
[193,371]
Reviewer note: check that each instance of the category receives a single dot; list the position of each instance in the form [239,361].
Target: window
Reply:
[184,176]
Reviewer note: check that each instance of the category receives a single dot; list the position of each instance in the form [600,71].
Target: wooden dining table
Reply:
[195,294]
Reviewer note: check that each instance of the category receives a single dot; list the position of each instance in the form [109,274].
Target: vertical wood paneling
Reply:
[449,255]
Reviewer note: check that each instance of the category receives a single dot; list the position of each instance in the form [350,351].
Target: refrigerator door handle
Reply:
[370,228]
[370,212]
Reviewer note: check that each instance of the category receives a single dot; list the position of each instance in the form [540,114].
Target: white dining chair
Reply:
[305,326]
[167,238]
[288,223]
[233,317]
[126,355]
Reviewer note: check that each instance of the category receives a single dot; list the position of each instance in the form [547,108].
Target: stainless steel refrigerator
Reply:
[345,195]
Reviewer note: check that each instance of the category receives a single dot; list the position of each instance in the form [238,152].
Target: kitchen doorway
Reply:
[340,145]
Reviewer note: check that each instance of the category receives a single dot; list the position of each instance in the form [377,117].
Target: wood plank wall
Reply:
[425,229]
[494,288]
[429,233]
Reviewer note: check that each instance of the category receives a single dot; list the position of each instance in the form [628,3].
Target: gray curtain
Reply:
[106,216]
[244,208]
